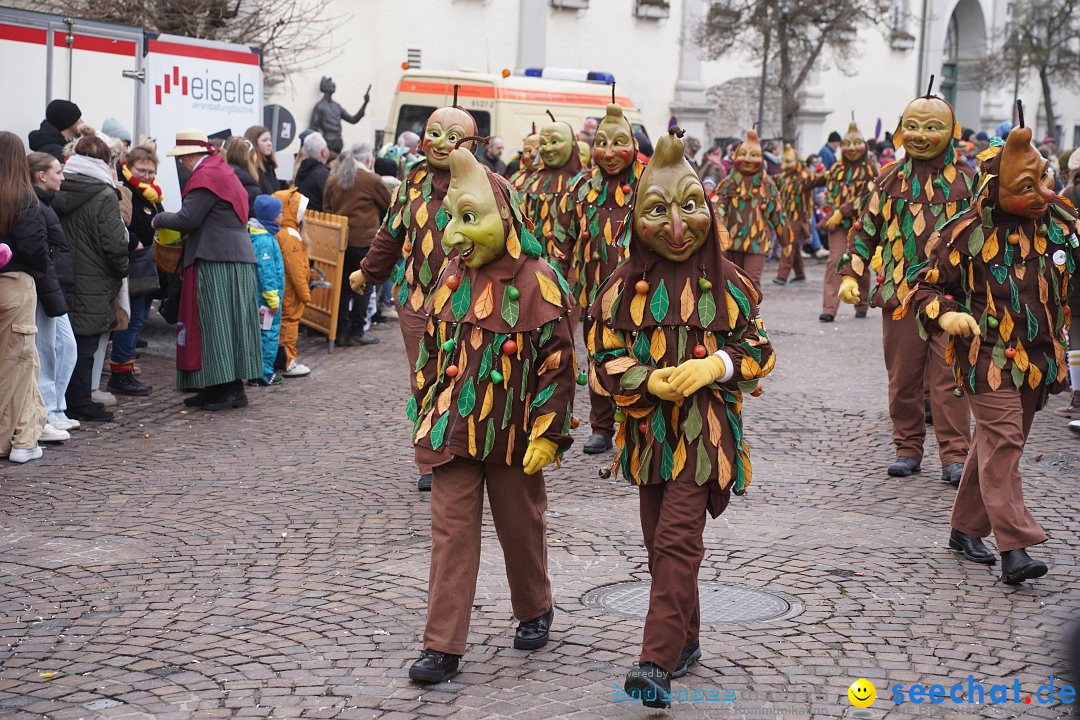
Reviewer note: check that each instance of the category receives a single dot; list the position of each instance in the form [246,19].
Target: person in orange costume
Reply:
[297,276]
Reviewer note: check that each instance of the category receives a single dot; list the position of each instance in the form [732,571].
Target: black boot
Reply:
[598,443]
[199,399]
[952,473]
[424,483]
[1017,566]
[124,383]
[434,667]
[904,466]
[973,548]
[649,684]
[689,656]
[533,634]
[232,396]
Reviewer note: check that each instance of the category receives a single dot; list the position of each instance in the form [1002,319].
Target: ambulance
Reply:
[505,104]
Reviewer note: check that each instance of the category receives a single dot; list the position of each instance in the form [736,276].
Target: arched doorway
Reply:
[963,49]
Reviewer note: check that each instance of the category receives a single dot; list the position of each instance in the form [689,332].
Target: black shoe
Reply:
[649,684]
[201,398]
[274,379]
[124,383]
[904,466]
[801,278]
[1017,566]
[434,667]
[952,472]
[689,656]
[860,314]
[973,548]
[364,339]
[928,415]
[533,634]
[378,318]
[825,317]
[598,443]
[94,412]
[343,341]
[233,397]
[779,281]
[424,483]
[141,343]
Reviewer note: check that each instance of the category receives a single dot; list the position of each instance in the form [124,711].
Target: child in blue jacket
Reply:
[271,276]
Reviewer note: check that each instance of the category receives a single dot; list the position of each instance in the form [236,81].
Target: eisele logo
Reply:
[206,88]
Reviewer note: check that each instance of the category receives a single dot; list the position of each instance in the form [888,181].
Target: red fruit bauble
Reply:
[700,351]
[626,188]
[509,347]
[575,422]
[642,426]
[641,287]
[1010,352]
[757,391]
[451,371]
[453,282]
[585,235]
[880,279]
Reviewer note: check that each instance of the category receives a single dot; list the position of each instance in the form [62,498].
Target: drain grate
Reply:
[721,603]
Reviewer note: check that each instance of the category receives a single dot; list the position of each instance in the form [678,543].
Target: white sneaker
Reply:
[54,434]
[296,370]
[21,455]
[1075,426]
[61,421]
[821,254]
[103,397]
[389,312]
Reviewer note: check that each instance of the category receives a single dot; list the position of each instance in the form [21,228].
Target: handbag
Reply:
[142,273]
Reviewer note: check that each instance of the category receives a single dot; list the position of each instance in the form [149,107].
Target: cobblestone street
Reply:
[273,562]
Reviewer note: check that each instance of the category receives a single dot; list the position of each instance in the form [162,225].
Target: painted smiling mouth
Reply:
[466,253]
[681,247]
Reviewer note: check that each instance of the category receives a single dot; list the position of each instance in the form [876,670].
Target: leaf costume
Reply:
[549,204]
[750,208]
[796,188]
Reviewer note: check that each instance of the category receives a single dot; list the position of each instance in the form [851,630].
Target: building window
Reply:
[570,4]
[652,9]
[414,58]
[1076,135]
[899,37]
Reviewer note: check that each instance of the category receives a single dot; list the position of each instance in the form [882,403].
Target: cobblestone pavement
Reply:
[272,562]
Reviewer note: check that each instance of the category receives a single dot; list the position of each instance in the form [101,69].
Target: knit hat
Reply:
[62,114]
[114,129]
[982,136]
[834,136]
[267,208]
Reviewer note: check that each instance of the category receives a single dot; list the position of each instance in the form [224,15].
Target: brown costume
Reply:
[1009,268]
[910,200]
[495,374]
[652,315]
[796,185]
[549,204]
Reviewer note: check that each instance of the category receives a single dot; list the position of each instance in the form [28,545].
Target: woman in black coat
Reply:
[240,154]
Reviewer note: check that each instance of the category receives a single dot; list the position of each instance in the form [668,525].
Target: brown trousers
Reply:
[291,312]
[991,494]
[601,410]
[793,260]
[518,502]
[751,263]
[829,302]
[413,325]
[22,411]
[915,364]
[672,523]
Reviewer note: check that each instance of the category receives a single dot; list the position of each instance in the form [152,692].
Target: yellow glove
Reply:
[849,291]
[660,385]
[692,375]
[958,323]
[539,455]
[875,262]
[834,220]
[357,281]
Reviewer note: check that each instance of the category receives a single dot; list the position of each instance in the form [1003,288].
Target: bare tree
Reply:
[787,37]
[293,34]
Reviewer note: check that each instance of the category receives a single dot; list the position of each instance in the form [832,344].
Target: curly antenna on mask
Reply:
[676,131]
[1020,111]
[550,115]
[930,87]
[475,138]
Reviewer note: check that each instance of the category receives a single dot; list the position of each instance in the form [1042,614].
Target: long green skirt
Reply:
[229,325]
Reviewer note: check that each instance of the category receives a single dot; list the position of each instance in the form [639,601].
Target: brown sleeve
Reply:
[616,373]
[937,280]
[863,243]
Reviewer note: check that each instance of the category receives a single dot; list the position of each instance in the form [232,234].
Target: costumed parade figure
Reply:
[528,161]
[549,194]
[910,200]
[603,206]
[796,185]
[413,230]
[676,341]
[749,206]
[848,184]
[493,406]
[997,284]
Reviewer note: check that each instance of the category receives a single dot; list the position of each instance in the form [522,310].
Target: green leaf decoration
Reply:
[740,299]
[530,245]
[544,395]
[398,273]
[425,189]
[406,215]
[466,398]
[643,349]
[976,240]
[1032,324]
[442,218]
[524,379]
[403,294]
[410,409]
[658,424]
[667,462]
[545,333]
[508,409]
[1000,272]
[1017,376]
[421,357]
[1053,231]
[632,378]
[462,298]
[424,276]
[703,471]
[692,425]
[1050,375]
[660,302]
[1014,296]
[971,378]
[916,187]
[907,227]
[706,308]
[489,438]
[682,343]
[509,308]
[860,246]
[998,353]
[438,432]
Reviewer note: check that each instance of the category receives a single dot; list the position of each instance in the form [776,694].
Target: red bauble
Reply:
[643,426]
[948,297]
[880,279]
[453,282]
[700,351]
[626,188]
[406,248]
[451,371]
[509,347]
[1010,352]
[641,287]
[585,235]
[757,391]
[575,422]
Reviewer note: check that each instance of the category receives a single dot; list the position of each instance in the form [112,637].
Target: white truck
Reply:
[153,84]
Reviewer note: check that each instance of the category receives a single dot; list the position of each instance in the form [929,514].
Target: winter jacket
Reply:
[48,139]
[251,185]
[214,232]
[89,210]
[269,269]
[28,240]
[142,213]
[365,204]
[311,178]
[63,258]
[268,182]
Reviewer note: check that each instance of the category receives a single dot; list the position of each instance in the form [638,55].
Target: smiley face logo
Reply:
[862,693]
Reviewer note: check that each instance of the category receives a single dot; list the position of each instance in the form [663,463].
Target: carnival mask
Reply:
[614,146]
[748,158]
[853,145]
[789,161]
[556,144]
[1021,176]
[444,129]
[529,149]
[671,216]
[927,127]
[475,229]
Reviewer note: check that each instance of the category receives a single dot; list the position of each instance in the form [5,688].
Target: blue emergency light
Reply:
[571,74]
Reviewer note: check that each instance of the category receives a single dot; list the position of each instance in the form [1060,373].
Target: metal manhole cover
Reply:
[721,604]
